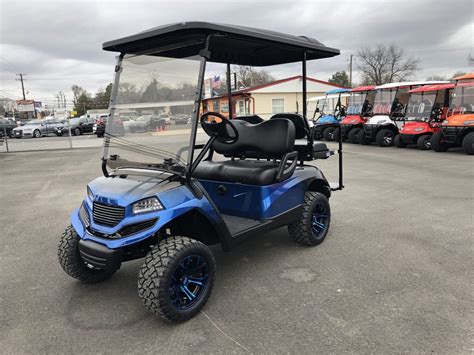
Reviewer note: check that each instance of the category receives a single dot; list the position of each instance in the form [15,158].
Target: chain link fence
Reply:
[15,140]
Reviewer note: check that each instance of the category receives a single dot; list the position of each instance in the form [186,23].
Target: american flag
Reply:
[216,82]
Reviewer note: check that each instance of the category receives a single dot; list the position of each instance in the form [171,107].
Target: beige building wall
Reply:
[263,102]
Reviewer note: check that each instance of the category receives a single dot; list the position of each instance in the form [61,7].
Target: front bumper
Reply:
[99,256]
[371,130]
[453,134]
[409,138]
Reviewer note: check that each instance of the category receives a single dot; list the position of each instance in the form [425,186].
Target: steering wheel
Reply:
[222,128]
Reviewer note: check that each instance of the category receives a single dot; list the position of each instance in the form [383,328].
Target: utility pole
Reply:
[350,69]
[22,85]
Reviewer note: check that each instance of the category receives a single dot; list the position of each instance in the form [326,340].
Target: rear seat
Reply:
[273,140]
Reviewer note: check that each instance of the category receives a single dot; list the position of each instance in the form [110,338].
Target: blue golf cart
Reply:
[332,110]
[167,195]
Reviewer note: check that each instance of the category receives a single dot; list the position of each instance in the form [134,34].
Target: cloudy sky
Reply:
[58,43]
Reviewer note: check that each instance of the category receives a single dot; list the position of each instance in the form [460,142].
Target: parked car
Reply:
[78,126]
[127,122]
[165,117]
[6,127]
[101,122]
[181,119]
[38,128]
[147,124]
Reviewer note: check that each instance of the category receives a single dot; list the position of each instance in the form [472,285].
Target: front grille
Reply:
[107,215]
[84,216]
[136,227]
[451,134]
[370,130]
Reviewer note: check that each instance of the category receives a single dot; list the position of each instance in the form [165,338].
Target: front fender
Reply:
[181,201]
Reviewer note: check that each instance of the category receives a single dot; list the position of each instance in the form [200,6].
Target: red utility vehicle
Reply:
[359,110]
[427,108]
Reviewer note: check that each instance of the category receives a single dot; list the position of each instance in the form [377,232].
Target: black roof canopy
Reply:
[227,44]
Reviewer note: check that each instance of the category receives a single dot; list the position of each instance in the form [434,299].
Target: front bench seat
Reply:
[271,139]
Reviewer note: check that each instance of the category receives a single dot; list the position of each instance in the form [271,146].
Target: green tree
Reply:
[340,78]
[151,93]
[83,103]
[102,98]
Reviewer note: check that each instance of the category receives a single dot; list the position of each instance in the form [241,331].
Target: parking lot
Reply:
[394,274]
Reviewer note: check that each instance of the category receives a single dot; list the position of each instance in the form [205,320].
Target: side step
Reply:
[239,225]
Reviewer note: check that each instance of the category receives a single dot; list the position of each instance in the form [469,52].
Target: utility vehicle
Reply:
[331,109]
[166,197]
[389,109]
[427,108]
[359,110]
[458,129]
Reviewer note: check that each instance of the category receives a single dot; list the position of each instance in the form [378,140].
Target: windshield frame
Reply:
[170,168]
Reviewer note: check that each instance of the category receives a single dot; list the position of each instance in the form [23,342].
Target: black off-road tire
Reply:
[438,143]
[352,135]
[72,263]
[327,133]
[468,143]
[335,134]
[424,142]
[399,143]
[154,278]
[301,231]
[385,137]
[362,139]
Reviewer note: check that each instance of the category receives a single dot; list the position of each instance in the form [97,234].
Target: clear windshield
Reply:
[420,105]
[462,100]
[151,91]
[383,101]
[356,101]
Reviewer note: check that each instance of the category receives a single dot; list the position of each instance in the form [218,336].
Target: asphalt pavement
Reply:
[394,275]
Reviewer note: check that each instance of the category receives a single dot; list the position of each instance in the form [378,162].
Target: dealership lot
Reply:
[394,274]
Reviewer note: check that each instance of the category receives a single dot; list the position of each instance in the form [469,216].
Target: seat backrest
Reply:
[268,139]
[253,119]
[301,126]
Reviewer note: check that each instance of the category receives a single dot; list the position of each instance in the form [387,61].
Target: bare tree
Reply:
[458,73]
[436,78]
[381,65]
[248,77]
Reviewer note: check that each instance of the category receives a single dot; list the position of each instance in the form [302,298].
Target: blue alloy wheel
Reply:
[319,220]
[189,282]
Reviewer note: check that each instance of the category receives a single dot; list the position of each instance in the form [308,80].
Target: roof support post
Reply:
[229,91]
[304,85]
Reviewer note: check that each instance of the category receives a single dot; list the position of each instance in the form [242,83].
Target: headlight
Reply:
[469,122]
[147,205]
[90,194]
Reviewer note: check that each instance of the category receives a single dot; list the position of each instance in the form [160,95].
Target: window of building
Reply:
[278,105]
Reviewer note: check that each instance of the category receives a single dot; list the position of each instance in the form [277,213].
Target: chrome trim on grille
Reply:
[84,215]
